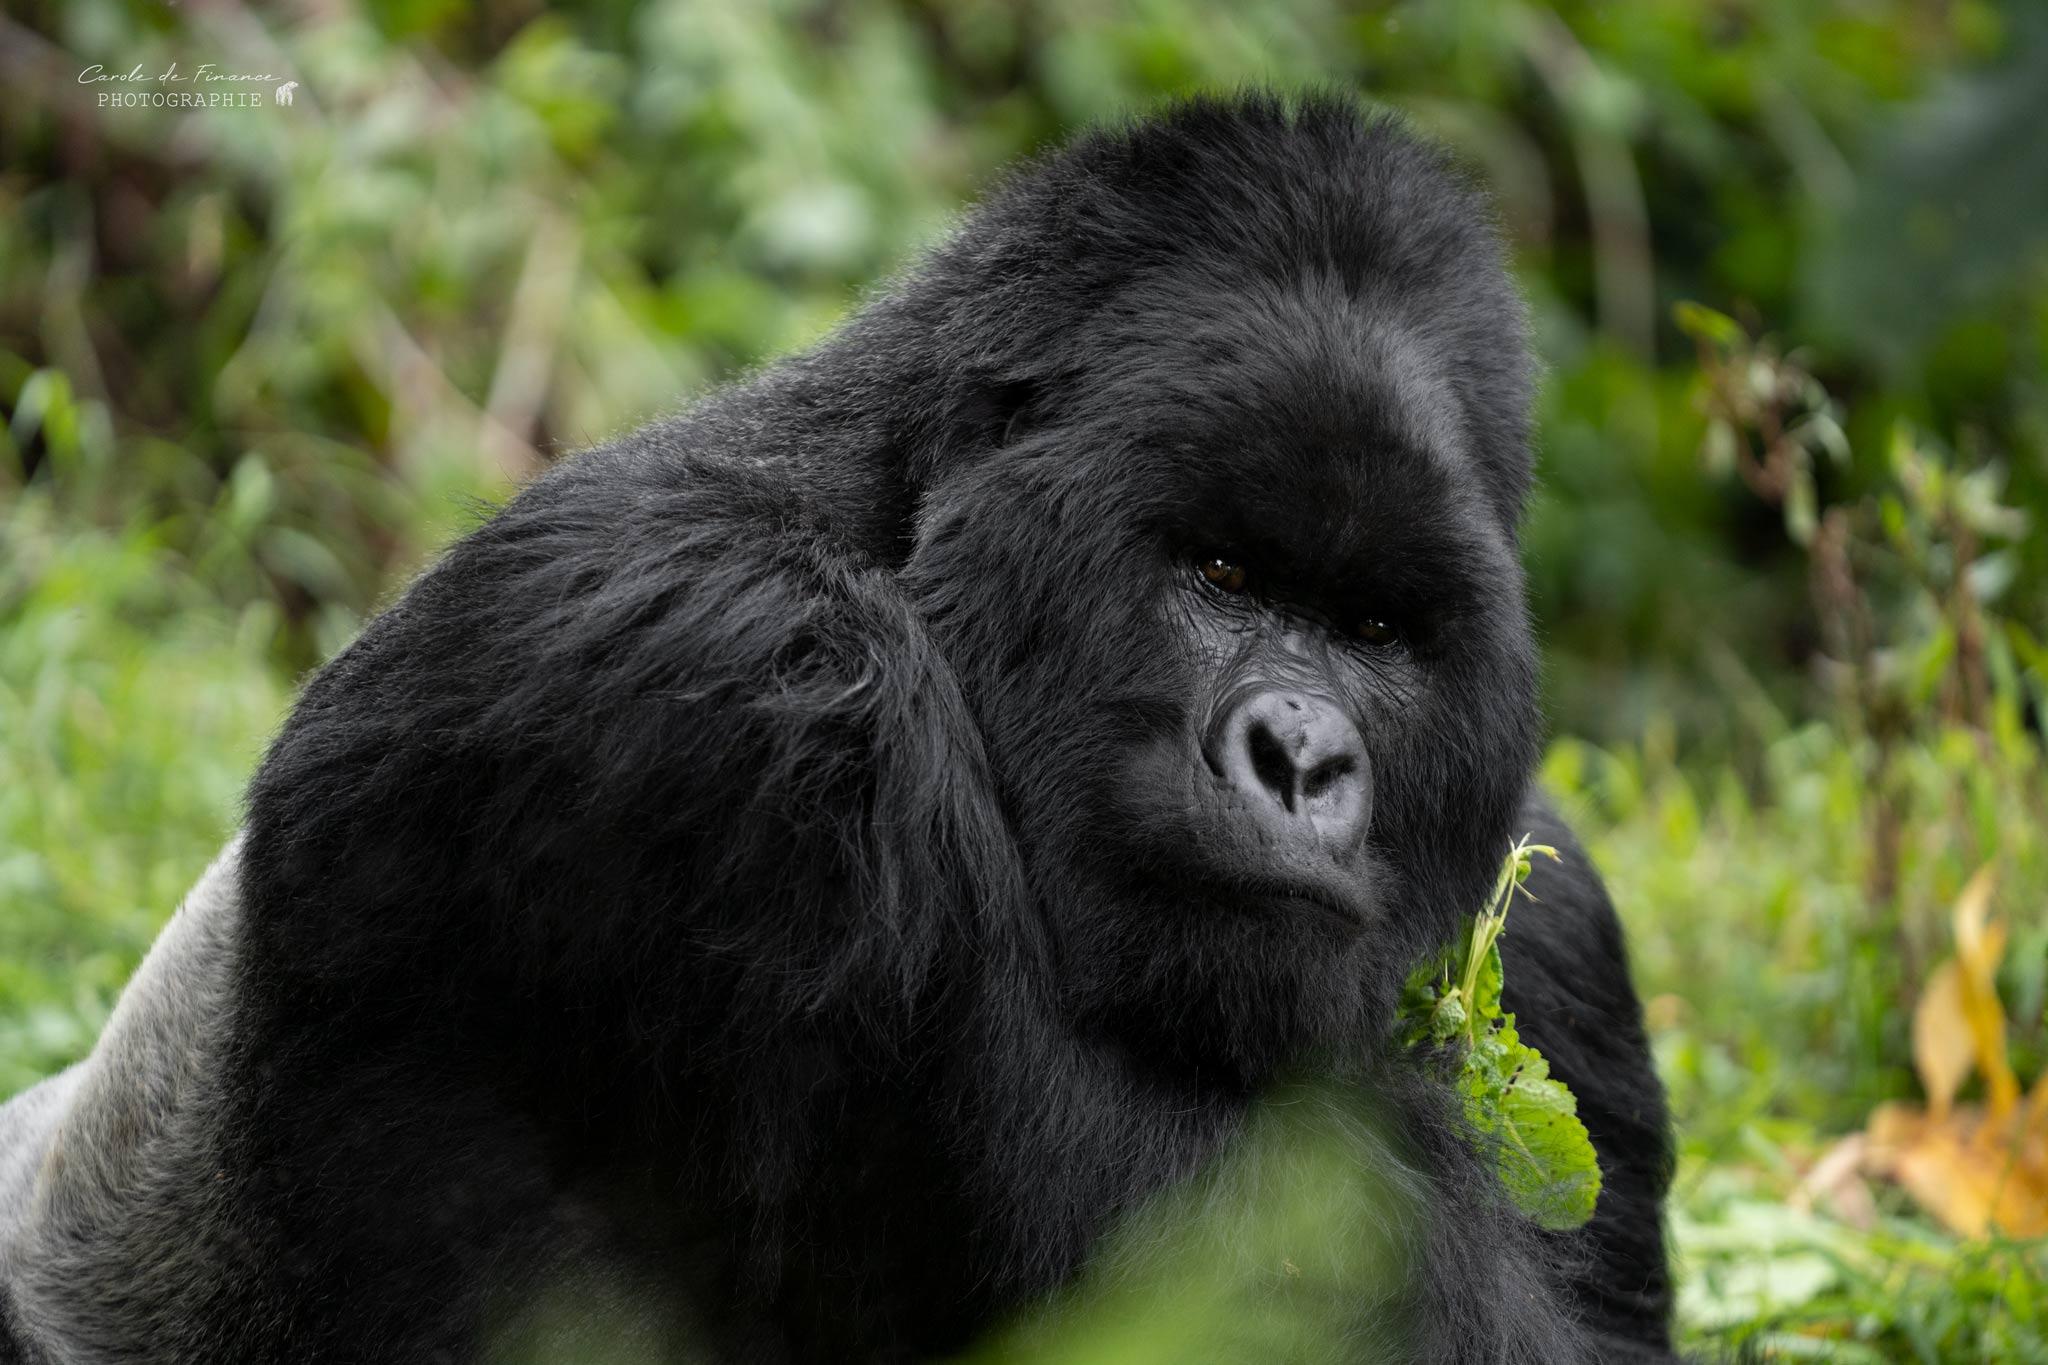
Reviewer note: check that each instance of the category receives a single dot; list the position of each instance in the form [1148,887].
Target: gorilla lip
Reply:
[1252,896]
[1350,915]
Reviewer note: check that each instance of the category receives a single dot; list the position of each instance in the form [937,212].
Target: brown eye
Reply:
[1223,574]
[1375,631]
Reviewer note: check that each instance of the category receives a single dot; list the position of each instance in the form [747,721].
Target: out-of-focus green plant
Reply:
[1906,581]
[1301,1244]
[482,235]
[1833,867]
[132,705]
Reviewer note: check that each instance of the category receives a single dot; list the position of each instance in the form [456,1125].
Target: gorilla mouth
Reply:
[1349,913]
[1261,897]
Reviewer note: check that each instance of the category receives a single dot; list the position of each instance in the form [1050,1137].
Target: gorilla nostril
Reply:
[1271,764]
[1327,774]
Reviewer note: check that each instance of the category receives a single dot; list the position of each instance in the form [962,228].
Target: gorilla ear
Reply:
[996,412]
[978,414]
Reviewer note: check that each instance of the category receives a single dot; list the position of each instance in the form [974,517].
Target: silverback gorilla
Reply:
[817,861]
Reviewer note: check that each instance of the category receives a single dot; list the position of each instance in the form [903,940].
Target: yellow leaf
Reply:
[1965,1170]
[1942,1044]
[1980,944]
[1972,912]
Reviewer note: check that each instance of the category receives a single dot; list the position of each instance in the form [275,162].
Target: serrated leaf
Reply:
[1547,1160]
[1529,1120]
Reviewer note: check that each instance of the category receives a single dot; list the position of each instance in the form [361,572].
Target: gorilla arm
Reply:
[649,769]
[649,714]
[1567,982]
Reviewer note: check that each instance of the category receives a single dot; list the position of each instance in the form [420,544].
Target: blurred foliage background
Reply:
[1789,267]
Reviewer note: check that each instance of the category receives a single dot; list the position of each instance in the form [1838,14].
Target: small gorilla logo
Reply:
[284,92]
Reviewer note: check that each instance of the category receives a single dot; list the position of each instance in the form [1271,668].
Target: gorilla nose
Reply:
[1300,764]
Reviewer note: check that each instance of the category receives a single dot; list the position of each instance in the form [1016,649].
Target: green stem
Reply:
[1490,921]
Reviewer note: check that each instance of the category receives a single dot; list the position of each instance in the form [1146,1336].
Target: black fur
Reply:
[733,881]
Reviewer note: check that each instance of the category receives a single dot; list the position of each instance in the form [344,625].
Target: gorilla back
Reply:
[799,873]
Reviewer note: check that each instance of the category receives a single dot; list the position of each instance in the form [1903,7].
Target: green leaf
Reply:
[1545,1156]
[1486,984]
[1432,1010]
[1802,516]
[1719,446]
[1705,324]
[1527,1118]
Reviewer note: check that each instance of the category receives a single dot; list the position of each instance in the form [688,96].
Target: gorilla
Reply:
[815,864]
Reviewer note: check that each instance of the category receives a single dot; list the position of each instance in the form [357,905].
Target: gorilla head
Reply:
[1228,569]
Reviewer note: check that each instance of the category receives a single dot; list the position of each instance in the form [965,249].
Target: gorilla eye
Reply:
[1223,574]
[1376,632]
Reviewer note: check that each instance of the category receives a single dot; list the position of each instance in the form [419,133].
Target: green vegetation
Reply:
[1542,1151]
[1788,264]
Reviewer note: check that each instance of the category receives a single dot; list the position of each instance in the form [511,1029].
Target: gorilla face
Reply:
[1262,702]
